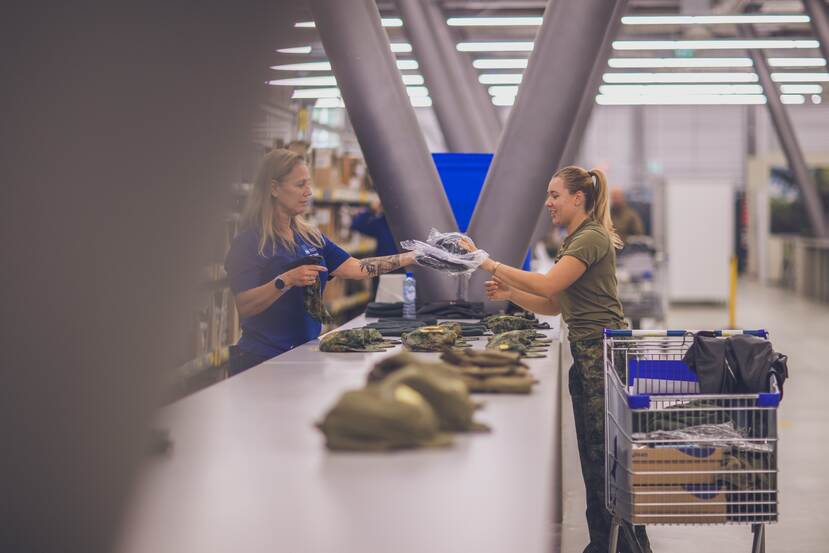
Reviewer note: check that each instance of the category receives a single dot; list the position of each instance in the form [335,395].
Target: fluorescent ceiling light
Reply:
[500,78]
[642,63]
[681,89]
[680,77]
[797,62]
[495,46]
[420,101]
[494,21]
[385,21]
[330,80]
[503,100]
[711,19]
[678,100]
[401,47]
[496,63]
[792,98]
[502,90]
[816,99]
[417,102]
[712,44]
[799,77]
[403,65]
[801,89]
[334,92]
[296,50]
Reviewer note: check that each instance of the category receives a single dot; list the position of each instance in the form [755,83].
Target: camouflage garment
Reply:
[314,304]
[519,341]
[503,323]
[586,384]
[432,338]
[491,371]
[355,340]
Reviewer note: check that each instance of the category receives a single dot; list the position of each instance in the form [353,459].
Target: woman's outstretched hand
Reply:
[497,290]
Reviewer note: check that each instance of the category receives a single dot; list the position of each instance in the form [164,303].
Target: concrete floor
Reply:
[800,329]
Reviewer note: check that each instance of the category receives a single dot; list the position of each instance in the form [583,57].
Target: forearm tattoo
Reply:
[373,266]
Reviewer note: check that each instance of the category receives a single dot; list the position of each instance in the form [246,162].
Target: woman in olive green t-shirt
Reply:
[582,288]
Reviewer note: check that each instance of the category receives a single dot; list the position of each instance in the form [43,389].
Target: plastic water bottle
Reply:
[409,293]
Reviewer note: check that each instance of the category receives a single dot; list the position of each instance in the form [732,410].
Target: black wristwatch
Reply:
[279,283]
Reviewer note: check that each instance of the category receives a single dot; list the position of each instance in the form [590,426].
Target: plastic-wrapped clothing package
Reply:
[708,435]
[442,251]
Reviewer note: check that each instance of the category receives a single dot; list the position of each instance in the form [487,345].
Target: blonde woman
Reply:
[274,236]
[582,288]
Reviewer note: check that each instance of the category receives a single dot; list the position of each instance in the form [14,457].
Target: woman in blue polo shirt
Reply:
[268,292]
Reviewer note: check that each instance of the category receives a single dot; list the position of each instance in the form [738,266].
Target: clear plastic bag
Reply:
[442,252]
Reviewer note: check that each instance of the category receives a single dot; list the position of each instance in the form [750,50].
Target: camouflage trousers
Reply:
[587,394]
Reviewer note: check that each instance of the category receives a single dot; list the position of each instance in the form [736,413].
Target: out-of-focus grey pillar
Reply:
[386,127]
[462,128]
[819,14]
[787,138]
[585,110]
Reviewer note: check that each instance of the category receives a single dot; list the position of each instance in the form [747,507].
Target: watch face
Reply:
[280,284]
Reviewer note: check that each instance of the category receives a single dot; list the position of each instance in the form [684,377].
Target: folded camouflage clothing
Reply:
[491,371]
[355,340]
[380,417]
[522,341]
[397,326]
[442,387]
[526,315]
[433,338]
[502,323]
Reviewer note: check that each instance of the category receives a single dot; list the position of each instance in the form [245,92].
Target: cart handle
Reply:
[613,333]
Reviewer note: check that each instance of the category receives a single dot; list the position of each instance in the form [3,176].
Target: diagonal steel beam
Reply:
[818,12]
[537,131]
[585,111]
[787,138]
[386,127]
[429,35]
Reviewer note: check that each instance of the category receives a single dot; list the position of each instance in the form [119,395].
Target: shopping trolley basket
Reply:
[675,456]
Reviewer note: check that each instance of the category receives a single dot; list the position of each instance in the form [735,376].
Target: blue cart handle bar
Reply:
[611,333]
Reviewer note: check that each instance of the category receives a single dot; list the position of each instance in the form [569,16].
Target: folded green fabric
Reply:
[355,340]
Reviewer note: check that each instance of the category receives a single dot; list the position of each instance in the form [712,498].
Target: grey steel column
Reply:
[443,75]
[819,14]
[579,128]
[787,138]
[386,127]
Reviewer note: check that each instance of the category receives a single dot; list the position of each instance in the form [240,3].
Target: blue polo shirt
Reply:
[376,226]
[285,324]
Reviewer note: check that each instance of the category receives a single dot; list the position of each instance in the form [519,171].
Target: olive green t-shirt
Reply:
[591,303]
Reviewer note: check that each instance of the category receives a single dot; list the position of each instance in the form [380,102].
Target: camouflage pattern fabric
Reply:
[432,338]
[503,323]
[355,340]
[520,341]
[491,371]
[381,417]
[314,304]
[586,384]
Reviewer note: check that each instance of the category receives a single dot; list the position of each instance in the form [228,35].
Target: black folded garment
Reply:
[382,310]
[472,329]
[453,310]
[397,326]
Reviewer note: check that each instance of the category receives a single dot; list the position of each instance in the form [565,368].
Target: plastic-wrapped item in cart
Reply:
[708,435]
[442,251]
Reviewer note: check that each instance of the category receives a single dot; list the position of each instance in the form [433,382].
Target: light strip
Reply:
[502,90]
[505,100]
[797,62]
[677,100]
[401,47]
[403,65]
[641,63]
[416,101]
[681,89]
[711,19]
[793,99]
[680,77]
[496,63]
[296,50]
[799,77]
[801,89]
[495,46]
[385,21]
[777,44]
[330,80]
[494,21]
[334,92]
[500,78]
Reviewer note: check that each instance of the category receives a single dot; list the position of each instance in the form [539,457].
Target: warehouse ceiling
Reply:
[497,66]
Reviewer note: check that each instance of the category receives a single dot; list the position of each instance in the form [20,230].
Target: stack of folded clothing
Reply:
[453,310]
[355,340]
[384,310]
[434,338]
[397,326]
[526,315]
[528,343]
[491,371]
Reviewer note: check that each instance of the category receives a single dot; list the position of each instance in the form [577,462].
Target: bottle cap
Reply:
[409,275]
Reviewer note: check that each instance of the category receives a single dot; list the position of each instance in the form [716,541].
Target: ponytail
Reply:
[593,184]
[601,207]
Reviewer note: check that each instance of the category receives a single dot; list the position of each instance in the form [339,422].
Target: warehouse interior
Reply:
[136,142]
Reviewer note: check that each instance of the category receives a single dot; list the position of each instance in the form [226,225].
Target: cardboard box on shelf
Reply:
[671,465]
[326,177]
[679,504]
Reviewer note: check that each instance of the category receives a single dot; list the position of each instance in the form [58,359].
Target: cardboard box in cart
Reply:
[676,466]
[679,504]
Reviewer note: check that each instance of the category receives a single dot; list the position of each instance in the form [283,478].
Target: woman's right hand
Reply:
[497,290]
[304,275]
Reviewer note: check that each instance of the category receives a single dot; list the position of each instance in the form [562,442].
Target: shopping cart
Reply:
[641,281]
[675,456]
